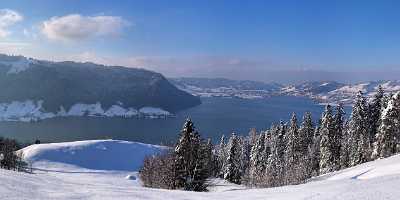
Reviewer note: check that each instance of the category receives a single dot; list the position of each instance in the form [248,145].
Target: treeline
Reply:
[287,153]
[9,158]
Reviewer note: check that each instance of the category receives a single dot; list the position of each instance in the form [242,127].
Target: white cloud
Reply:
[76,27]
[8,18]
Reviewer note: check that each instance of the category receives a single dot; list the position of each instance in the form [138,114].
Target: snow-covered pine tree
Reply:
[221,157]
[252,137]
[232,168]
[327,131]
[306,134]
[339,125]
[190,165]
[360,151]
[275,167]
[244,158]
[257,165]
[292,153]
[345,147]
[387,140]
[374,113]
[315,152]
[183,155]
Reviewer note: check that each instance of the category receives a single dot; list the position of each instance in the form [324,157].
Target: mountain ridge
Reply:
[61,85]
[321,91]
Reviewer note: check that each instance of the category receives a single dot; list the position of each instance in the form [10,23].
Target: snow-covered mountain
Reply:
[333,92]
[320,91]
[220,87]
[106,169]
[35,89]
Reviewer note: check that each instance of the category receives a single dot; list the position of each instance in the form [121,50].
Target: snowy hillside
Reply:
[92,154]
[28,111]
[36,89]
[320,91]
[98,170]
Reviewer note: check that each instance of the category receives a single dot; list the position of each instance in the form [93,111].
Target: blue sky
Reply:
[233,39]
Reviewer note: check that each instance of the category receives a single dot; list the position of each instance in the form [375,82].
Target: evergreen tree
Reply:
[244,157]
[345,147]
[327,131]
[374,113]
[257,165]
[292,153]
[387,139]
[338,135]
[221,152]
[232,168]
[306,134]
[275,172]
[183,155]
[360,151]
[315,152]
[190,166]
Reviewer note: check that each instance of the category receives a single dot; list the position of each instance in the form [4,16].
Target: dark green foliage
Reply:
[187,167]
[9,159]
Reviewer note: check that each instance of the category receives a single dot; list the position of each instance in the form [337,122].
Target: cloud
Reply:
[76,27]
[8,18]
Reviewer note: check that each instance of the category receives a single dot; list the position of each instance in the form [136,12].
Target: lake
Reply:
[214,117]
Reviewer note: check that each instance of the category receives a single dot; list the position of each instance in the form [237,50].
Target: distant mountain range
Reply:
[320,91]
[34,89]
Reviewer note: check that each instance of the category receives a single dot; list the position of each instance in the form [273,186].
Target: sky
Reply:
[280,41]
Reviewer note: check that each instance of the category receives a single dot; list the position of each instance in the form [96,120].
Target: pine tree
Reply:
[345,147]
[292,153]
[221,154]
[190,165]
[183,155]
[360,151]
[257,165]
[327,131]
[275,172]
[374,113]
[306,134]
[244,157]
[315,152]
[387,139]
[338,135]
[232,168]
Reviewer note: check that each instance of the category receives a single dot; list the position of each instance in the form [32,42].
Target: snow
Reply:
[30,110]
[153,111]
[91,170]
[91,154]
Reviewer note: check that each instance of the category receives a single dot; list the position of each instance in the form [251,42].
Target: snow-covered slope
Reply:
[92,170]
[91,154]
[320,91]
[29,110]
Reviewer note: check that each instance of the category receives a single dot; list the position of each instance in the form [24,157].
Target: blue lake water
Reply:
[214,117]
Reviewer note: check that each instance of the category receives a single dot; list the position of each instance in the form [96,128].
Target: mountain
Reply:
[320,91]
[220,87]
[34,89]
[90,170]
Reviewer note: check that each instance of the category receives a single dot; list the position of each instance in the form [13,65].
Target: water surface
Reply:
[214,117]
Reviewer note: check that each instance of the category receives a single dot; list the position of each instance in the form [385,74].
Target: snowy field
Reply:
[105,169]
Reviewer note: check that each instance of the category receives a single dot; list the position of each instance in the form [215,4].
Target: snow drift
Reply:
[92,154]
